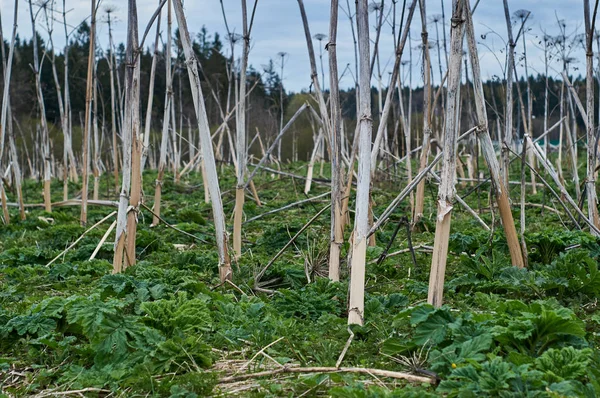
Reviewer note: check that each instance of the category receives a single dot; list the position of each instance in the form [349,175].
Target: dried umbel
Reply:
[376,6]
[320,36]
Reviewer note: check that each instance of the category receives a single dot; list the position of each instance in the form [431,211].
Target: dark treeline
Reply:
[264,106]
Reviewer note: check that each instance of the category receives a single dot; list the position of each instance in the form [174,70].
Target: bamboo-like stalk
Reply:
[176,157]
[501,190]
[281,91]
[88,116]
[378,7]
[389,97]
[523,193]
[572,145]
[407,143]
[546,90]
[349,178]
[592,146]
[436,20]
[242,152]
[148,122]
[524,15]
[361,222]
[537,151]
[126,225]
[446,190]
[313,157]
[313,71]
[572,149]
[225,270]
[126,237]
[376,373]
[7,68]
[52,57]
[96,170]
[465,205]
[45,139]
[508,113]
[384,114]
[300,202]
[113,101]
[68,154]
[191,146]
[337,228]
[162,163]
[16,167]
[61,254]
[561,134]
[420,196]
[275,142]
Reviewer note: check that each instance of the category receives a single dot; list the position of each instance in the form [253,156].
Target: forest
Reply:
[177,222]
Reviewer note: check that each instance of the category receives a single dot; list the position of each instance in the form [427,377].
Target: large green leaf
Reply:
[432,325]
[564,364]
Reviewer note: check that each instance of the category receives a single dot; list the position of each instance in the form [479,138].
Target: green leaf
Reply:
[564,364]
[432,325]
[172,355]
[180,313]
[91,313]
[420,314]
[33,325]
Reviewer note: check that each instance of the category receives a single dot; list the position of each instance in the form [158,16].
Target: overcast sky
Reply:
[278,28]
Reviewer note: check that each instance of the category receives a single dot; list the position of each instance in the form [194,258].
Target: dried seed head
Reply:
[436,18]
[375,6]
[522,14]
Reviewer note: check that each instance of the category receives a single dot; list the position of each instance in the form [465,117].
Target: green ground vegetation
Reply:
[167,327]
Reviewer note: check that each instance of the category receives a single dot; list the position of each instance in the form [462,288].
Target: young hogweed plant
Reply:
[416,361]
[315,258]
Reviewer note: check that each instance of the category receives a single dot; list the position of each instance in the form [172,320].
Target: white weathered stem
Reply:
[372,372]
[447,190]
[148,122]
[205,143]
[130,130]
[45,138]
[88,116]
[80,238]
[113,105]
[70,156]
[592,146]
[313,70]
[287,207]
[242,152]
[51,53]
[313,157]
[465,205]
[389,97]
[420,197]
[487,147]
[162,162]
[575,97]
[274,143]
[7,79]
[361,221]
[104,238]
[6,98]
[508,113]
[337,224]
[403,194]
[537,151]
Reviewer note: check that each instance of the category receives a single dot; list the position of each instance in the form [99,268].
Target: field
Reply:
[168,327]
